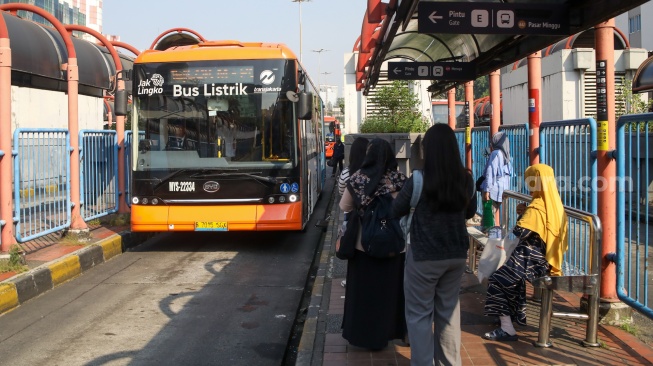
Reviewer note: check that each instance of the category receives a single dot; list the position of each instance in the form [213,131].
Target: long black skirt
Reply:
[374,301]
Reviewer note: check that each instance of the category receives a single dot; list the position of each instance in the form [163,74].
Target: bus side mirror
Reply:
[305,106]
[120,103]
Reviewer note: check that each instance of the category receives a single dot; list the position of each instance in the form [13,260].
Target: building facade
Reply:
[81,12]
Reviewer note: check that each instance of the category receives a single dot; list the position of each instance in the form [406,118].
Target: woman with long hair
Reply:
[437,253]
[374,301]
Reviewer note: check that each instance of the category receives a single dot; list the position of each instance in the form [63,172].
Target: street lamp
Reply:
[326,92]
[300,25]
[319,55]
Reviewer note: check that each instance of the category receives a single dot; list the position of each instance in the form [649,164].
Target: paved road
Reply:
[178,299]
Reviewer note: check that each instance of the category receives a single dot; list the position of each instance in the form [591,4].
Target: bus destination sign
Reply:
[492,18]
[451,71]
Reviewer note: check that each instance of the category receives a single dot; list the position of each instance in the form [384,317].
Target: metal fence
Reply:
[460,137]
[634,214]
[480,141]
[518,140]
[569,147]
[41,174]
[98,173]
[581,263]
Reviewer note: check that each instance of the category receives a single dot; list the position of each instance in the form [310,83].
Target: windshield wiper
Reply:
[161,181]
[267,179]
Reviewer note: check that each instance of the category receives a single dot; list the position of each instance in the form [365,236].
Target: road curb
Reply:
[309,351]
[26,286]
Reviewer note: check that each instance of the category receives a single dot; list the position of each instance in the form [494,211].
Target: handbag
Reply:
[495,253]
[330,162]
[348,236]
[414,198]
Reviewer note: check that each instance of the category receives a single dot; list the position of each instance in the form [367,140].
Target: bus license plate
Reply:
[211,226]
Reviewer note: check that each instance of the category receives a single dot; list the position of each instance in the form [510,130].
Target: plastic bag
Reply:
[495,253]
[488,215]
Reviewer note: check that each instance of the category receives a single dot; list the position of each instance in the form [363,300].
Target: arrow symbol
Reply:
[396,70]
[433,17]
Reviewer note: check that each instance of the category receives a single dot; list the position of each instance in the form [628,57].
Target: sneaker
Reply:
[343,283]
[333,175]
[500,335]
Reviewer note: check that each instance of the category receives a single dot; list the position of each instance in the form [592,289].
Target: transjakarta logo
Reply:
[151,86]
[209,90]
[267,77]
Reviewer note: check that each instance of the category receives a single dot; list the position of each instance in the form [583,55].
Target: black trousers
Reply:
[337,166]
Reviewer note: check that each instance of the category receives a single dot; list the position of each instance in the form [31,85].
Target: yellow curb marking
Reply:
[65,270]
[8,297]
[111,247]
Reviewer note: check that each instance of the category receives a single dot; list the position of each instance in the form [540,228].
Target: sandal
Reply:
[500,335]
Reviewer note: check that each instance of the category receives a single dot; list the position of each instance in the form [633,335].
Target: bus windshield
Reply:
[214,114]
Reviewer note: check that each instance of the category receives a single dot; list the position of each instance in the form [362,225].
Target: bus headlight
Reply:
[135,200]
[271,200]
[292,198]
[145,201]
[155,201]
[282,199]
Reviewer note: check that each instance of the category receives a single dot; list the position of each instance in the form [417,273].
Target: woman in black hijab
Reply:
[374,296]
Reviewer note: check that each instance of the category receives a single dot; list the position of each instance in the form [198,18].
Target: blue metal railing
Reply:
[480,141]
[41,174]
[460,137]
[634,153]
[569,147]
[98,157]
[518,140]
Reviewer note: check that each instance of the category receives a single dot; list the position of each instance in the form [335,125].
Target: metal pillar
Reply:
[451,101]
[6,166]
[606,126]
[495,101]
[469,102]
[534,103]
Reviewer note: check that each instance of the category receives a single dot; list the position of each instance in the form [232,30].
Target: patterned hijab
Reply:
[378,175]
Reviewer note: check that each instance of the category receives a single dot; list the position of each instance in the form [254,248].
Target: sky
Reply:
[333,25]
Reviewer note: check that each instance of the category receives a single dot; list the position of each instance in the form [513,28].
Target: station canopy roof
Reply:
[37,53]
[391,32]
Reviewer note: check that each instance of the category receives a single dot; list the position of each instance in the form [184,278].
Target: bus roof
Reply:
[222,50]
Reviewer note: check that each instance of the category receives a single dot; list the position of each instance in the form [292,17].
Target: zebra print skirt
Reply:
[506,293]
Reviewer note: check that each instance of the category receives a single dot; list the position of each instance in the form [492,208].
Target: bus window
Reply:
[203,114]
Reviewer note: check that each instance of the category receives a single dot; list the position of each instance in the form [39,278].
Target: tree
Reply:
[626,102]
[341,104]
[396,111]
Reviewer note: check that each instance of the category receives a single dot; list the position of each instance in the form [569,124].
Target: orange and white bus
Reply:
[233,138]
[333,127]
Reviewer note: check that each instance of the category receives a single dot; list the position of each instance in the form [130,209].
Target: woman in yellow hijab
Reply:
[542,233]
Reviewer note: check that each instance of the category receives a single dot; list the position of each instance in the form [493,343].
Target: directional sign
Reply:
[453,71]
[492,18]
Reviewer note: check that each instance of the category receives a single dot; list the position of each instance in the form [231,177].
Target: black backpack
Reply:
[381,233]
